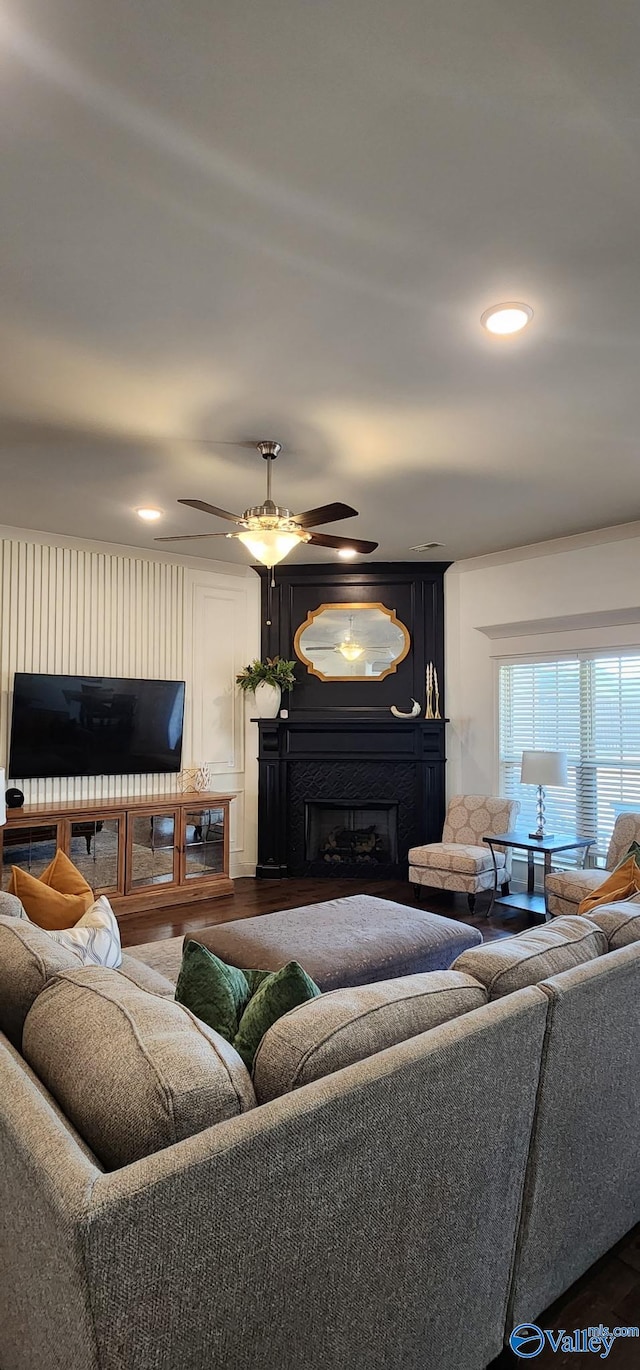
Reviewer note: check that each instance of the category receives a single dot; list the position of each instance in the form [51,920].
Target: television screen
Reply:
[67,725]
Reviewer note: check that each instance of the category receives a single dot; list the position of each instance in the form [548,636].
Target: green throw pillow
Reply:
[239,1004]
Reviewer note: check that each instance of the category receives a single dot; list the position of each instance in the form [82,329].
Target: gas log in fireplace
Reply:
[350,837]
[348,797]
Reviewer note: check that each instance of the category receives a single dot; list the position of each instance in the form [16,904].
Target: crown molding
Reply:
[619,532]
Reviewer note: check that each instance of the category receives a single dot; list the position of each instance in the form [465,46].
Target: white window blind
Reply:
[588,706]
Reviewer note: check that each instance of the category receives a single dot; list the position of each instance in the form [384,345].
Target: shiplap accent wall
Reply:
[66,610]
[74,609]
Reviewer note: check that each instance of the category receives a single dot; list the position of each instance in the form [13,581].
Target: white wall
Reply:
[571,594]
[68,606]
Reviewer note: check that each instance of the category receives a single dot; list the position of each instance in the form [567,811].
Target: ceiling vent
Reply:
[426,546]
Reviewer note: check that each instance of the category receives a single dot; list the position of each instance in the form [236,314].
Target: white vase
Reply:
[267,699]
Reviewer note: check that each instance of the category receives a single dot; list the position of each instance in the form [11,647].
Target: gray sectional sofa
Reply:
[401,1212]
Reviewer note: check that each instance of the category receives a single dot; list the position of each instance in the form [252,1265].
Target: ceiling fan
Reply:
[271,532]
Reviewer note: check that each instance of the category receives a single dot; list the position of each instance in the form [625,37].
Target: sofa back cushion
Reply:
[513,962]
[620,923]
[28,958]
[10,906]
[134,1072]
[347,1025]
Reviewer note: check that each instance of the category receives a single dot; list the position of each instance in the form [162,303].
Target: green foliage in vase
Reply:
[274,671]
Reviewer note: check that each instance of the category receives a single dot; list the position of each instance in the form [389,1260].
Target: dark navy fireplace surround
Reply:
[340,743]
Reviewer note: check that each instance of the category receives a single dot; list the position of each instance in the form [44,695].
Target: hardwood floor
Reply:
[252,897]
[609,1293]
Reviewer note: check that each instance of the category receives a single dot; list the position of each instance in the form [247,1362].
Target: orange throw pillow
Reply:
[50,902]
[623,883]
[63,876]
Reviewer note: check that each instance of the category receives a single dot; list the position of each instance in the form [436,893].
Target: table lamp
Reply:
[543,768]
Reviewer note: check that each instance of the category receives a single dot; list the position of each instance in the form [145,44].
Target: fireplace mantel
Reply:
[359,758]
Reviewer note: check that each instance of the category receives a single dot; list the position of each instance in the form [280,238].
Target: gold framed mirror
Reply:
[351,642]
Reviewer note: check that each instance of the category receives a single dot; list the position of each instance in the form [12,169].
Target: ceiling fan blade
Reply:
[327,540]
[211,509]
[191,537]
[326,513]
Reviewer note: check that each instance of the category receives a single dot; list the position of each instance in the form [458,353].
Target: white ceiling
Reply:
[247,220]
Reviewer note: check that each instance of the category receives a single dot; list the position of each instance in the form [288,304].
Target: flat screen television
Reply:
[68,725]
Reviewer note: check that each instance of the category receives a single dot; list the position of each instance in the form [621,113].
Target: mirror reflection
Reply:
[343,641]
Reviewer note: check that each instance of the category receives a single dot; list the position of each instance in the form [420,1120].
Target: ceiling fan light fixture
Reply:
[503,319]
[350,650]
[271,545]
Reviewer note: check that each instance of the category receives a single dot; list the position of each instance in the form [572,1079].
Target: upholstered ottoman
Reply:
[343,942]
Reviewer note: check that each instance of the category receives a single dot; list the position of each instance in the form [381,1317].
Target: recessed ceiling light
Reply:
[347,552]
[506,318]
[149,515]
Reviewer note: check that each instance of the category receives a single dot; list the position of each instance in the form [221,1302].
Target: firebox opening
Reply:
[344,834]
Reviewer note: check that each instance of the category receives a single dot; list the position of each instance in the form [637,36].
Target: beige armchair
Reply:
[566,889]
[462,861]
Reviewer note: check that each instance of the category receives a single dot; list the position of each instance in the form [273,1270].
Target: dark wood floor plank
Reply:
[253,897]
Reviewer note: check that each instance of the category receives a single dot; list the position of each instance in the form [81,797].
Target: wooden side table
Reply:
[549,846]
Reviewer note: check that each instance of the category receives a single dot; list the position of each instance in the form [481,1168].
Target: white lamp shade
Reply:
[3,809]
[544,768]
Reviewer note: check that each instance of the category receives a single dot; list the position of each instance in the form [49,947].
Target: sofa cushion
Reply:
[455,856]
[348,1025]
[28,958]
[513,962]
[10,906]
[572,885]
[145,977]
[133,1072]
[620,923]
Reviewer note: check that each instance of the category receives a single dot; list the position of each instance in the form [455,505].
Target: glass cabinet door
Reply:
[95,847]
[31,847]
[153,849]
[204,842]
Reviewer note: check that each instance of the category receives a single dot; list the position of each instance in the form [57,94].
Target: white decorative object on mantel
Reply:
[267,699]
[433,693]
[415,711]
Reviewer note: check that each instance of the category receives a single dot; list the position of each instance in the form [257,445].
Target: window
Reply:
[588,706]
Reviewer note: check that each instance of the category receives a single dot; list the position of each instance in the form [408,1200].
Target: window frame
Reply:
[586,810]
